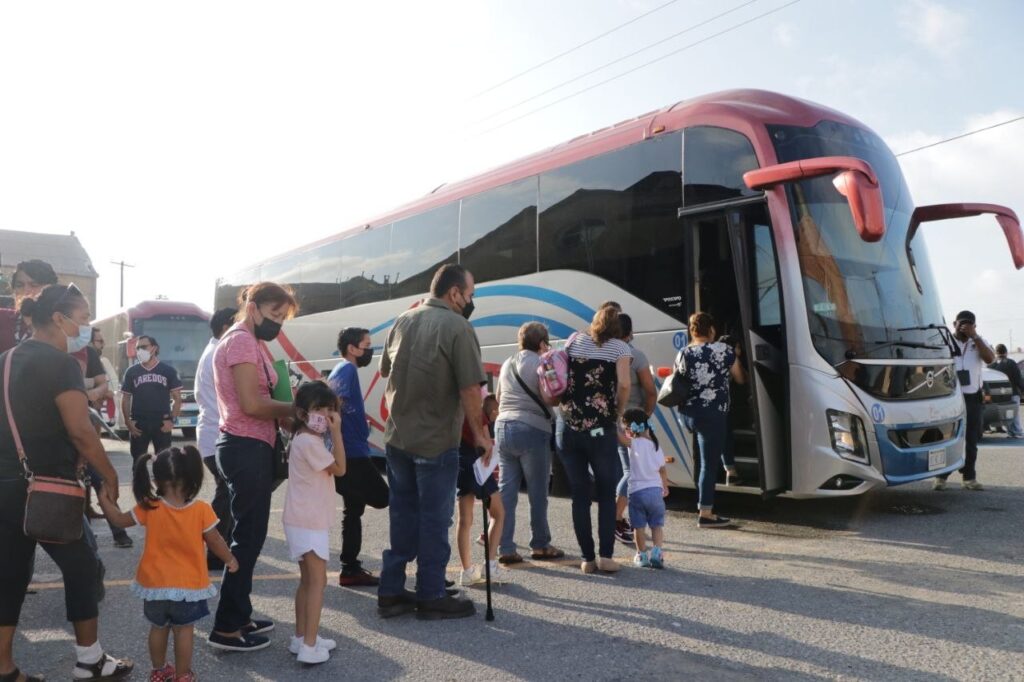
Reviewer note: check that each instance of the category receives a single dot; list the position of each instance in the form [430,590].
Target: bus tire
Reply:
[189,433]
[559,481]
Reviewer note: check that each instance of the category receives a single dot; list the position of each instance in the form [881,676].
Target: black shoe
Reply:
[444,608]
[396,605]
[449,583]
[357,577]
[623,532]
[257,627]
[242,643]
[713,522]
[107,668]
[123,541]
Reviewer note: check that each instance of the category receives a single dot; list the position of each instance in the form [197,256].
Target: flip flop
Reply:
[549,553]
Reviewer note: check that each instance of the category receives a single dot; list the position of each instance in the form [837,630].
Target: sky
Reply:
[191,139]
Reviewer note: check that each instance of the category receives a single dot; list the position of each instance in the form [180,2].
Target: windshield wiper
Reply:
[851,353]
[947,336]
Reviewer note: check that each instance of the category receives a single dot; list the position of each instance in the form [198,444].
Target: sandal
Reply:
[107,668]
[508,559]
[549,553]
[15,674]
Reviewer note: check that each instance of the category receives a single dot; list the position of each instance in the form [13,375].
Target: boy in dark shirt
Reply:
[146,394]
[1012,371]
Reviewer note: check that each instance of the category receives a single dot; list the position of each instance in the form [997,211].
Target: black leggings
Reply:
[76,560]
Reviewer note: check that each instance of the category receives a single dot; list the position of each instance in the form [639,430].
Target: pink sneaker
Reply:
[164,674]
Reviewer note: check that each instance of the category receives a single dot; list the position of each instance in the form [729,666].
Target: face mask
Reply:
[144,355]
[317,423]
[467,309]
[364,359]
[77,343]
[267,330]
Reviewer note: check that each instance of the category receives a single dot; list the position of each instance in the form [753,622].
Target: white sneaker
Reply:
[973,484]
[938,484]
[499,574]
[313,654]
[321,643]
[471,576]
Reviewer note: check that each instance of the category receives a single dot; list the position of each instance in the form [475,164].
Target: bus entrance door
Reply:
[761,309]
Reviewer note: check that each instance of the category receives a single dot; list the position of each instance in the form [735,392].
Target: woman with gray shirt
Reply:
[523,441]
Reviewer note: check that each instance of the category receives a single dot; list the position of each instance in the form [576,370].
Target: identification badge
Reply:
[963,376]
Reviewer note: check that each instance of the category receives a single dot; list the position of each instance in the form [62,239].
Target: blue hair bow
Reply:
[638,427]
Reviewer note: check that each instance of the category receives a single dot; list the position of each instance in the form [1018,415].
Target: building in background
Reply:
[63,251]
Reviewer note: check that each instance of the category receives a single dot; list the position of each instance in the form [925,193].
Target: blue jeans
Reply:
[247,467]
[710,425]
[524,452]
[420,507]
[622,490]
[581,454]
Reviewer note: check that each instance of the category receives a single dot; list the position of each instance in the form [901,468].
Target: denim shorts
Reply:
[163,613]
[647,508]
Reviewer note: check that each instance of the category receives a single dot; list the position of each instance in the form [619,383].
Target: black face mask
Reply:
[364,359]
[267,330]
[467,309]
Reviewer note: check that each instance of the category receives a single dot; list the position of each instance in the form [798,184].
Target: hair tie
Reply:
[636,427]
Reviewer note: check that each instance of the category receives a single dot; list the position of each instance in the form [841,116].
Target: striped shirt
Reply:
[590,396]
[582,346]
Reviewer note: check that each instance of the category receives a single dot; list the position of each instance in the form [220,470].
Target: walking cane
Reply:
[487,558]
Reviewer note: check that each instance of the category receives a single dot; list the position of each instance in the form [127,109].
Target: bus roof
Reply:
[147,309]
[747,111]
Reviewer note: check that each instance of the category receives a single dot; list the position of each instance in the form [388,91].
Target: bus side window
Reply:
[766,278]
[419,246]
[498,231]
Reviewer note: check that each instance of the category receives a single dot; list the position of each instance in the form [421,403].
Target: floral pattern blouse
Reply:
[590,395]
[707,367]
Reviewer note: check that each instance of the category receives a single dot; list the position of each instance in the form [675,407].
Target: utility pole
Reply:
[123,266]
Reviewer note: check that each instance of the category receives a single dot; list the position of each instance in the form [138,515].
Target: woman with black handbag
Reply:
[45,431]
[248,452]
[708,365]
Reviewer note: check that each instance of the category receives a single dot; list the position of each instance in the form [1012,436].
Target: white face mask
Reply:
[143,355]
[84,338]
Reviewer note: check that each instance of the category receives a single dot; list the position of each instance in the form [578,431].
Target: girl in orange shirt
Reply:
[172,578]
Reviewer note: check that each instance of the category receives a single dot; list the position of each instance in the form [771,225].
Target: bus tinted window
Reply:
[229,288]
[716,160]
[419,246]
[365,271]
[286,271]
[498,231]
[616,216]
[321,278]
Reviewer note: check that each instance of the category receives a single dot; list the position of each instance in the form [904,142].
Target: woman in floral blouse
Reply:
[592,406]
[708,365]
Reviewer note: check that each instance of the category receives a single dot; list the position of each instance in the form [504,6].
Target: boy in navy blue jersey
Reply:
[147,392]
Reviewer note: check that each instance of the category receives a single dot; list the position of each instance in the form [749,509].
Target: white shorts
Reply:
[303,540]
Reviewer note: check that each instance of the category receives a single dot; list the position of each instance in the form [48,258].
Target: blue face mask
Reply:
[84,338]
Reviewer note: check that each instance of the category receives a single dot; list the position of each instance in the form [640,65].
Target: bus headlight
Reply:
[848,437]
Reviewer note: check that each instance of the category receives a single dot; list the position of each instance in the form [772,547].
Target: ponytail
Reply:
[142,485]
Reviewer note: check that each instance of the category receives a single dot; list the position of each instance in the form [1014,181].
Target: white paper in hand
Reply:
[481,471]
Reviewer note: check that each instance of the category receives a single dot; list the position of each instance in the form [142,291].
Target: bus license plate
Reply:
[936,459]
[187,421]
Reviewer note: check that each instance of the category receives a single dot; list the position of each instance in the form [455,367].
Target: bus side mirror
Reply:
[1006,218]
[855,180]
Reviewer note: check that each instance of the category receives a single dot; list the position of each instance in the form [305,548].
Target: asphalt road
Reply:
[904,584]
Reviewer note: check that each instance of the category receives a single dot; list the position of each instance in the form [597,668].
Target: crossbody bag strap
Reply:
[540,403]
[10,414]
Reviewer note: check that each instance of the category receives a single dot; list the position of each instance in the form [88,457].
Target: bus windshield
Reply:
[863,299]
[181,343]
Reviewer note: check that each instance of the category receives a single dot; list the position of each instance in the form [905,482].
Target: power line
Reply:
[637,68]
[613,62]
[962,135]
[573,49]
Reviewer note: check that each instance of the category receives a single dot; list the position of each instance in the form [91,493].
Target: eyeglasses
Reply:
[70,291]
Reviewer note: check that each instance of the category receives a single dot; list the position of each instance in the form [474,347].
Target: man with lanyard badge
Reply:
[146,393]
[974,354]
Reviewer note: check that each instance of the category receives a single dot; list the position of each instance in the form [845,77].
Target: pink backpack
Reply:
[553,372]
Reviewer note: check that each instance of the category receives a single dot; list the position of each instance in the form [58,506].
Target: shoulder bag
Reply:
[54,506]
[676,389]
[536,399]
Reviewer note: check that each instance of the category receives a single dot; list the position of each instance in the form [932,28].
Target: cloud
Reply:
[934,26]
[784,34]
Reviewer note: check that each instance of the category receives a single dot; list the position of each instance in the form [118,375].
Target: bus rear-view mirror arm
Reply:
[854,179]
[1006,218]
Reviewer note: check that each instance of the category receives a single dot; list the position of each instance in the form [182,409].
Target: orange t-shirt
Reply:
[173,564]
